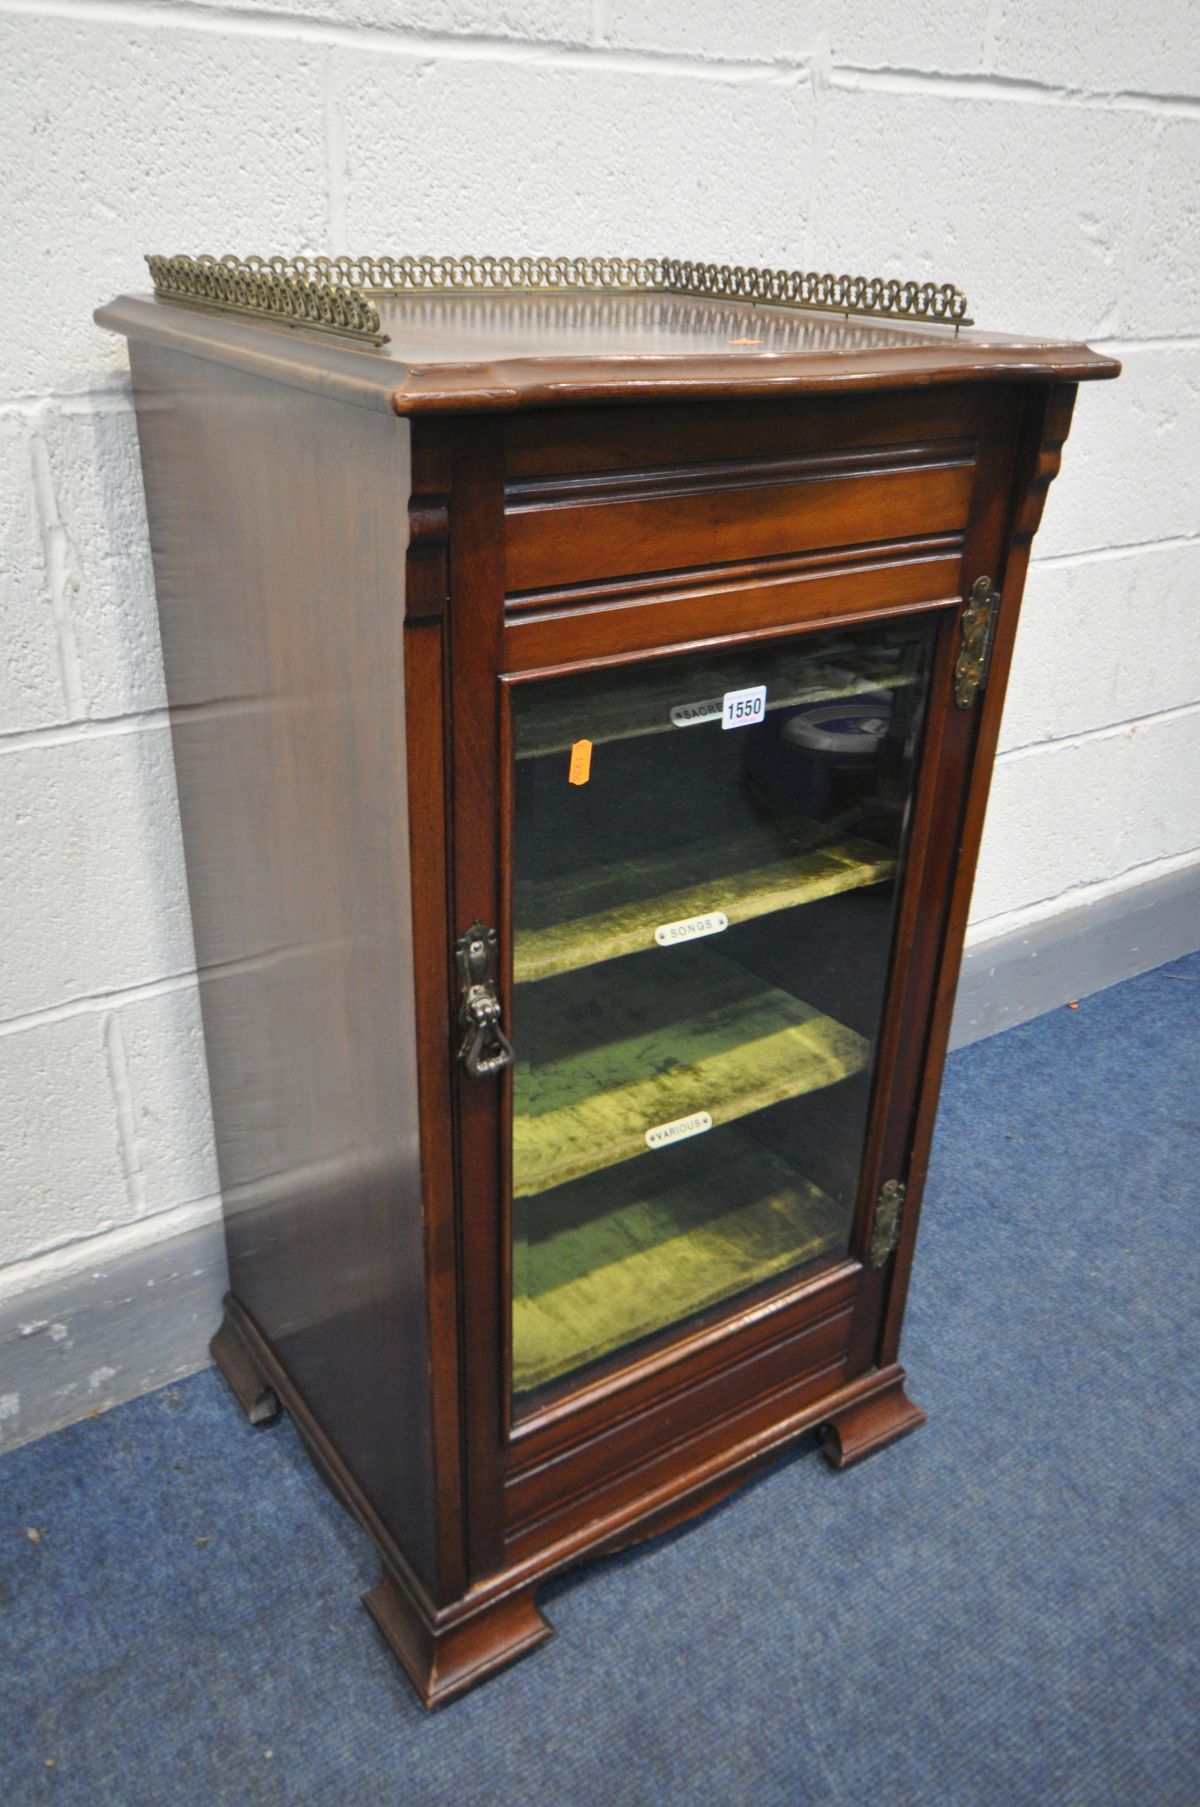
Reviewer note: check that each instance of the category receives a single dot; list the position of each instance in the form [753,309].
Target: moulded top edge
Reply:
[469,352]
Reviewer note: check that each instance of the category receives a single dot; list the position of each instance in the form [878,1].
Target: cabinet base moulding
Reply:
[448,1650]
[231,1352]
[861,1428]
[442,1663]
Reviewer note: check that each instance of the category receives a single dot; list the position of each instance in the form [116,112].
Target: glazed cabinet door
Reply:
[705,829]
[707,852]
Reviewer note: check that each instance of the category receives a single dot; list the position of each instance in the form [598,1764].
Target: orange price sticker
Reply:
[581,762]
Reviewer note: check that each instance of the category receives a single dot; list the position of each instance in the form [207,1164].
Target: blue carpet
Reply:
[1001,1609]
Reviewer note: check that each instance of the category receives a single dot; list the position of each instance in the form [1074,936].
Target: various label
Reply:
[665,1133]
[742,708]
[581,762]
[689,715]
[668,934]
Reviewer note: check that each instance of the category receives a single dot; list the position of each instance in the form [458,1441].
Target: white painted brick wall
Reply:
[1046,158]
[1136,651]
[62,1145]
[597,150]
[1035,206]
[1130,800]
[944,36]
[1131,473]
[755,31]
[31,689]
[94,889]
[1121,47]
[569,22]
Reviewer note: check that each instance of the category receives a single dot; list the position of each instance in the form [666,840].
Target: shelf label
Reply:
[689,715]
[669,934]
[665,1133]
[742,708]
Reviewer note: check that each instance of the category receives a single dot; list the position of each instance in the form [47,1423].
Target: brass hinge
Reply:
[978,619]
[889,1209]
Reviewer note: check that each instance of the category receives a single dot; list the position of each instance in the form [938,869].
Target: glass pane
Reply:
[706,867]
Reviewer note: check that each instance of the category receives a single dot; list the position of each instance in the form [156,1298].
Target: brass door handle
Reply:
[484,1049]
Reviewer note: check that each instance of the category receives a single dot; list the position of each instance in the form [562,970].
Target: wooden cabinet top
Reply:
[463,352]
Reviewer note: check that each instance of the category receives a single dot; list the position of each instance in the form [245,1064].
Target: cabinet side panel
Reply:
[278,523]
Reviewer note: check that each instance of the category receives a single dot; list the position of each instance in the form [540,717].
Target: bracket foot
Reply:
[442,1660]
[869,1424]
[230,1352]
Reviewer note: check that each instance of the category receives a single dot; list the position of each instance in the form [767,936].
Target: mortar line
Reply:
[1167,341]
[1044,909]
[99,1249]
[1067,743]
[335,156]
[1021,90]
[61,565]
[134,722]
[262,960]
[117,1059]
[94,1003]
[1129,549]
[66,733]
[228,22]
[72,402]
[406,41]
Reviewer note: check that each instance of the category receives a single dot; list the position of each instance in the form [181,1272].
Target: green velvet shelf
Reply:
[620,1061]
[663,700]
[603,912]
[609,1259]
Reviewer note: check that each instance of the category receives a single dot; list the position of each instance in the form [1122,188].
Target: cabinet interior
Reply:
[701,935]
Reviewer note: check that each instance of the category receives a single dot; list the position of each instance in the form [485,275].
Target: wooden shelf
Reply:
[685,1030]
[644,704]
[615,1257]
[604,912]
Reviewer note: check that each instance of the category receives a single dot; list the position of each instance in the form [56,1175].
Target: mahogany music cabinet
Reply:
[585,677]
